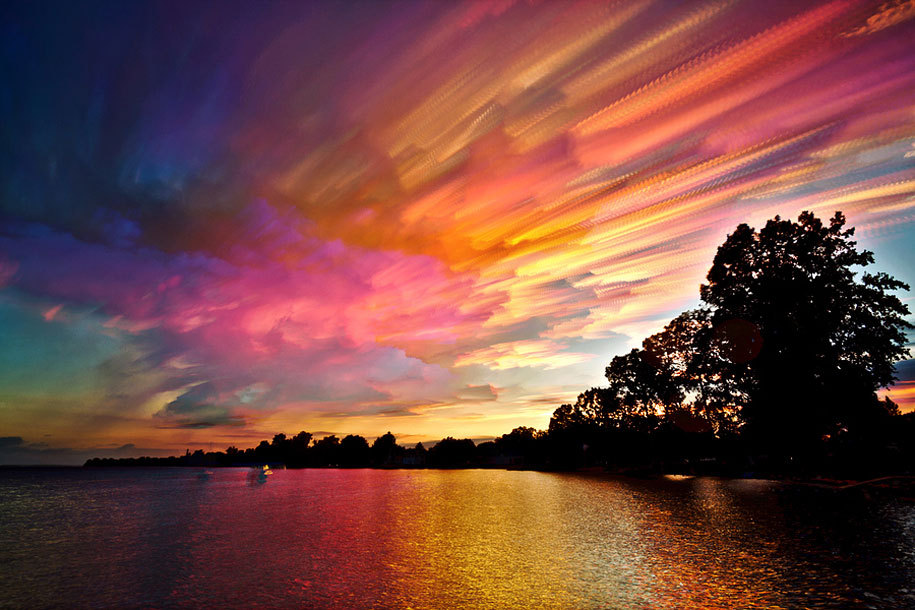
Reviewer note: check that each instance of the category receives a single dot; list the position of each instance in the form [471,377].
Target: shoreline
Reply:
[834,483]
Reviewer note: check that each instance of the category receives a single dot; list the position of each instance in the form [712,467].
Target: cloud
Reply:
[302,319]
[539,353]
[198,408]
[477,393]
[10,441]
[309,205]
[903,391]
[7,271]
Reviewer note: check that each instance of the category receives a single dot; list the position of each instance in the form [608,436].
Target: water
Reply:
[443,539]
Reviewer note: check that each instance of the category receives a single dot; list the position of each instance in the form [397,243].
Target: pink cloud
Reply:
[7,271]
[305,319]
[49,314]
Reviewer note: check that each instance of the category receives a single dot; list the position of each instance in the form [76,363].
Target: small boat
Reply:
[205,475]
[263,474]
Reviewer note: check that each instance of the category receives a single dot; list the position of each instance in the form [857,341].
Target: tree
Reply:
[810,341]
[263,452]
[298,451]
[695,375]
[354,450]
[451,452]
[601,427]
[385,449]
[641,385]
[327,451]
[522,445]
[280,448]
[593,408]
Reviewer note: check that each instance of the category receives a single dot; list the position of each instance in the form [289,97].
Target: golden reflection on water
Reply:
[483,542]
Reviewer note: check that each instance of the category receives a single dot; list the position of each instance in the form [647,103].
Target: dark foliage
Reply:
[778,371]
[451,452]
[828,339]
[385,450]
[354,451]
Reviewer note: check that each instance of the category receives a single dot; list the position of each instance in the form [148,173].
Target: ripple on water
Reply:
[433,539]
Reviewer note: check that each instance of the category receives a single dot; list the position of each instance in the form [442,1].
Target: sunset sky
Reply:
[220,221]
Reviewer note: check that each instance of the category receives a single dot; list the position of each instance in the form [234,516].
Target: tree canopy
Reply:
[816,339]
[788,349]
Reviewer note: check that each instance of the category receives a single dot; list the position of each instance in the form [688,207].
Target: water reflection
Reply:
[432,539]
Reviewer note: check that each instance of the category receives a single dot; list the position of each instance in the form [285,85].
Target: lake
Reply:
[443,539]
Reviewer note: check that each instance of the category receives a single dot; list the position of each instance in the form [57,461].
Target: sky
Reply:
[224,220]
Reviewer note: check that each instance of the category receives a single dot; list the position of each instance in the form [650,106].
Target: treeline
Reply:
[521,447]
[650,444]
[776,372]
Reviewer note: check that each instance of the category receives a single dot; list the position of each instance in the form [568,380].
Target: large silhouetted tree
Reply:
[789,348]
[813,339]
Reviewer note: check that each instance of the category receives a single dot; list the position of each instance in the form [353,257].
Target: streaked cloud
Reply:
[329,218]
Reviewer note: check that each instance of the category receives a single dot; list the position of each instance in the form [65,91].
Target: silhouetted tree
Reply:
[521,446]
[603,429]
[641,387]
[385,450]
[791,347]
[814,341]
[590,409]
[280,449]
[298,450]
[519,441]
[327,451]
[452,452]
[415,456]
[488,453]
[576,431]
[263,452]
[695,372]
[354,451]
